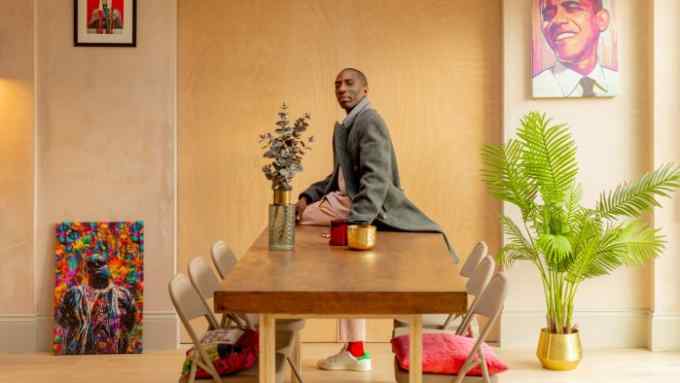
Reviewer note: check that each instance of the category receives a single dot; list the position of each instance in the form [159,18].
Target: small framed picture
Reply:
[105,23]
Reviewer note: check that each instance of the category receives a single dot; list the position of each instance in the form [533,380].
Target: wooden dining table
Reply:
[405,275]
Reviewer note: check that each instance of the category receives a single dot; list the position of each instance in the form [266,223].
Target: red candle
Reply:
[338,233]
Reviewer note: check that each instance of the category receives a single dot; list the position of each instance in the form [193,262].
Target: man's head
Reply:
[572,27]
[350,87]
[98,270]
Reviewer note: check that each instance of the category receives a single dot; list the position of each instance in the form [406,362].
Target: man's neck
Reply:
[348,111]
[583,67]
[100,283]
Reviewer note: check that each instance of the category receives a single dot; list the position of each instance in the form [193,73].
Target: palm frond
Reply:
[634,199]
[511,253]
[641,243]
[572,205]
[505,177]
[597,255]
[517,245]
[556,250]
[549,156]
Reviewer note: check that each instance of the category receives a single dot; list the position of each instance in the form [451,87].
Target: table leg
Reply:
[415,374]
[267,357]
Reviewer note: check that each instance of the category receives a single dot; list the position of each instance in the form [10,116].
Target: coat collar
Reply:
[352,115]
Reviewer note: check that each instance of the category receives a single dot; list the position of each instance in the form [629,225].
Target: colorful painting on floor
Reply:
[98,298]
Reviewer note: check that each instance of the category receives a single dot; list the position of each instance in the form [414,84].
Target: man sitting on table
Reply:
[364,188]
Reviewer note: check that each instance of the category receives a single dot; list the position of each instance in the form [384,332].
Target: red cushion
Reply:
[445,353]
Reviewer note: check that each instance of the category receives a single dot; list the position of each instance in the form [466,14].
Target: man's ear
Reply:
[602,19]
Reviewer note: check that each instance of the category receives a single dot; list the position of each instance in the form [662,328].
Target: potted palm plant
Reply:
[567,242]
[284,147]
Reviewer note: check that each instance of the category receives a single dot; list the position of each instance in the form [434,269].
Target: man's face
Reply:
[349,89]
[572,27]
[97,266]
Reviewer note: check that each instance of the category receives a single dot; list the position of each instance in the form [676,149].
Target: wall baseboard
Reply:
[599,328]
[33,333]
[664,332]
[17,332]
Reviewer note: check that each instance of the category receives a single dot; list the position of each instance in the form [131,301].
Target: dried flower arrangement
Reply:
[285,146]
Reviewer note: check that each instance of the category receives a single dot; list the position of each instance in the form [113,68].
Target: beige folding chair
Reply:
[189,305]
[474,287]
[478,252]
[489,306]
[224,260]
[206,283]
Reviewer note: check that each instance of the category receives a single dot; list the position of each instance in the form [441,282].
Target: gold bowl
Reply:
[561,352]
[361,237]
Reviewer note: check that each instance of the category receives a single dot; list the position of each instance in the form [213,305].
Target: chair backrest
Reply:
[189,305]
[478,252]
[187,302]
[203,278]
[490,305]
[223,258]
[480,276]
[491,300]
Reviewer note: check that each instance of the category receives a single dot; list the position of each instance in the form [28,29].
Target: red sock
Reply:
[356,348]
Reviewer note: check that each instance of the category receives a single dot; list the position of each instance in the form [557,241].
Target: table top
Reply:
[406,273]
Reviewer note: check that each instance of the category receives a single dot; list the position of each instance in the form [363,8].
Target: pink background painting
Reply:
[542,56]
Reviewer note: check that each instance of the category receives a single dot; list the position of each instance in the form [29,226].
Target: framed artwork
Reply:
[104,23]
[98,295]
[574,50]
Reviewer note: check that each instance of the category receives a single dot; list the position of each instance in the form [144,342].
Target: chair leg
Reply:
[447,321]
[485,368]
[192,373]
[295,374]
[297,360]
[467,366]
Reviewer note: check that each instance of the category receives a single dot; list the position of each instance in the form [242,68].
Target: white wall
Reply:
[665,325]
[17,307]
[105,132]
[613,136]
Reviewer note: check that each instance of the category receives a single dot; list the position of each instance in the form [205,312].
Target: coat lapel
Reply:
[341,153]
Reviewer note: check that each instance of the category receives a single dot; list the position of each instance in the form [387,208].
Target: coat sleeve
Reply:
[375,169]
[316,190]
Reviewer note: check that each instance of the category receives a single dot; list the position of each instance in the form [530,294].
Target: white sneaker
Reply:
[344,360]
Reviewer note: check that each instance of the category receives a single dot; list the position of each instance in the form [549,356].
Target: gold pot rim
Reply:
[545,330]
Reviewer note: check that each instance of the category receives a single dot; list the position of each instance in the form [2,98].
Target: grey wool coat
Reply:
[363,150]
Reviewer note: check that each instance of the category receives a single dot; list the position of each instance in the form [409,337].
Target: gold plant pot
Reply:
[282,197]
[561,352]
[361,237]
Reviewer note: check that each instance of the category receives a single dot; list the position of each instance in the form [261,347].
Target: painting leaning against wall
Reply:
[574,48]
[98,297]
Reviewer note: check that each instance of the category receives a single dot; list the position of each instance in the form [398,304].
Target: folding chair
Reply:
[478,252]
[189,305]
[224,260]
[489,306]
[206,283]
[474,287]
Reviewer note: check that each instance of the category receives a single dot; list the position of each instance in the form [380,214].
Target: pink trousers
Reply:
[332,206]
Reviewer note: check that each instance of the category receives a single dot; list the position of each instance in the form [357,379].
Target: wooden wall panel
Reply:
[434,71]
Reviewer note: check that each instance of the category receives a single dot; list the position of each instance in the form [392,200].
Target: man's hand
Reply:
[300,208]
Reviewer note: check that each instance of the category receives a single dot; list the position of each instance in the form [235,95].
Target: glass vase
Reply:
[281,222]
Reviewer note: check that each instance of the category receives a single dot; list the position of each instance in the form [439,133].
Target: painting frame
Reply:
[84,37]
[574,49]
[99,288]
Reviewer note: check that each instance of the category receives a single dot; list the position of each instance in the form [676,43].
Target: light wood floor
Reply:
[620,366]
